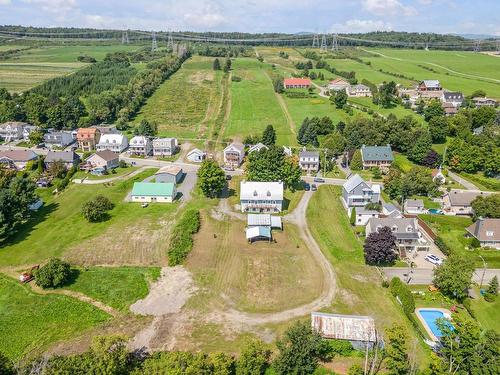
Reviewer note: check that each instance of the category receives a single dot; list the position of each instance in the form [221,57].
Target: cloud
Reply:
[54,6]
[207,16]
[361,26]
[387,7]
[4,2]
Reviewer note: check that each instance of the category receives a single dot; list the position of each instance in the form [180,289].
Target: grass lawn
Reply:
[487,312]
[428,203]
[59,226]
[254,105]
[402,162]
[185,103]
[119,172]
[29,322]
[117,287]
[399,111]
[482,182]
[452,230]
[360,291]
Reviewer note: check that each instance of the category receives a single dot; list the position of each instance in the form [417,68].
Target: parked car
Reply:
[319,179]
[434,259]
[307,187]
[314,187]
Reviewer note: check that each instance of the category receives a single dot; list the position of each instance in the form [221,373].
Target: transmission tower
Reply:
[170,41]
[323,47]
[315,41]
[125,39]
[154,43]
[477,46]
[335,43]
[498,46]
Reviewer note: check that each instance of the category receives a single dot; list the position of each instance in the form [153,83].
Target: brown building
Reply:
[88,138]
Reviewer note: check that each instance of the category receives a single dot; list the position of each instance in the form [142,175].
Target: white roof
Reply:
[264,220]
[250,190]
[259,146]
[376,188]
[111,139]
[259,231]
[235,147]
[344,327]
[431,83]
[352,182]
[196,151]
[139,140]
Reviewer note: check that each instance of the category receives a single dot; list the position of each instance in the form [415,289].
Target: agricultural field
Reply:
[188,103]
[254,104]
[33,66]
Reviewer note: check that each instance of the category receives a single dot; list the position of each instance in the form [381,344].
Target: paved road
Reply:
[328,180]
[424,276]
[462,181]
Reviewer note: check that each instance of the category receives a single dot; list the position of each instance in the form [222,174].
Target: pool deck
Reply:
[446,312]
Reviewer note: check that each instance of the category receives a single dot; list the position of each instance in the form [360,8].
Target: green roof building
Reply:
[153,192]
[376,156]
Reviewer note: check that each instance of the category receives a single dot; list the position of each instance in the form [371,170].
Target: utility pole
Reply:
[315,41]
[335,43]
[154,43]
[125,35]
[170,41]
[323,47]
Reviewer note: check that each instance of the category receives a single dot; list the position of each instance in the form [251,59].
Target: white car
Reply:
[433,259]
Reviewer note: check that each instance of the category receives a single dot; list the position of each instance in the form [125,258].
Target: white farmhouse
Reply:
[112,142]
[140,145]
[261,196]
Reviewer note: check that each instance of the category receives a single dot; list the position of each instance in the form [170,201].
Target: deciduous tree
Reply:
[254,359]
[211,178]
[55,273]
[454,277]
[380,247]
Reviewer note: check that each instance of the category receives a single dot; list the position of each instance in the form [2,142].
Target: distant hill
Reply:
[478,36]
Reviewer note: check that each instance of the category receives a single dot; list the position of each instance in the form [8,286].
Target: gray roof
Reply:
[463,198]
[238,146]
[352,182]
[363,211]
[485,229]
[309,154]
[107,155]
[18,155]
[264,220]
[375,153]
[359,87]
[453,95]
[390,207]
[65,156]
[402,228]
[414,203]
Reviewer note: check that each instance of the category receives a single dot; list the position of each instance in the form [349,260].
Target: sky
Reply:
[290,16]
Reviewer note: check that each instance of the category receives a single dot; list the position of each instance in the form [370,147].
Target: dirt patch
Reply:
[200,76]
[168,294]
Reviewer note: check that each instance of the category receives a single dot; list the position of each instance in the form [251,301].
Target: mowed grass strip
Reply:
[254,104]
[118,287]
[181,103]
[30,322]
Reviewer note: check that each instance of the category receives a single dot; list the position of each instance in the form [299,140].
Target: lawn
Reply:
[360,291]
[29,322]
[187,103]
[398,110]
[254,105]
[117,287]
[117,173]
[452,230]
[486,312]
[428,202]
[132,235]
[402,162]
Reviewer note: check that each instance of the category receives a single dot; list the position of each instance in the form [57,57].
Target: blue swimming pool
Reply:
[430,317]
[435,211]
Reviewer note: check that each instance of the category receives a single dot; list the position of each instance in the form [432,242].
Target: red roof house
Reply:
[297,83]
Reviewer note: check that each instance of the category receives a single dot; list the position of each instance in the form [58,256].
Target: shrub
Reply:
[340,348]
[489,297]
[442,245]
[53,274]
[353,217]
[403,293]
[475,243]
[182,237]
[236,79]
[122,164]
[96,209]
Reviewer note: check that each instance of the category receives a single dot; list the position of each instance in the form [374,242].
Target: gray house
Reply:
[12,131]
[69,158]
[58,139]
[357,193]
[309,160]
[487,232]
[169,173]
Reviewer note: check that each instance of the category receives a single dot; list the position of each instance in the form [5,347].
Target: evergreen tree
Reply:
[227,65]
[269,136]
[356,161]
[216,64]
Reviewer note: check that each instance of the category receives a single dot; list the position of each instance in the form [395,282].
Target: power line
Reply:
[154,43]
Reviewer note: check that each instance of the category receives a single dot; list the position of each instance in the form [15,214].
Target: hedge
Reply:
[401,290]
[182,237]
[442,245]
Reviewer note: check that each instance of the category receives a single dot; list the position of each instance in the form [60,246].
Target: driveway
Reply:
[462,181]
[424,276]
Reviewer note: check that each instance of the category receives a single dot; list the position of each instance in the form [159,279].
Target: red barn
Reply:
[297,83]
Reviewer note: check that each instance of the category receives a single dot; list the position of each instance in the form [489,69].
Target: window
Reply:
[409,228]
[394,228]
[489,233]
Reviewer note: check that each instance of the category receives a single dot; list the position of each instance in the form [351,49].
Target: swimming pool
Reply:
[429,318]
[435,211]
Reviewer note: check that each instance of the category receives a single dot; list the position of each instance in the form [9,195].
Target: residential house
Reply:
[106,129]
[458,202]
[454,98]
[169,173]
[429,85]
[68,158]
[103,159]
[17,159]
[234,154]
[259,146]
[409,238]
[487,232]
[59,139]
[309,160]
[484,102]
[196,155]
[438,176]
[153,192]
[363,215]
[27,130]
[297,83]
[359,91]
[357,193]
[449,109]
[12,131]
[112,142]
[261,196]
[140,146]
[87,138]
[164,146]
[376,156]
[390,210]
[338,84]
[414,207]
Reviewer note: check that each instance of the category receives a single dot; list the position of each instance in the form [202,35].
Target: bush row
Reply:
[182,237]
[403,293]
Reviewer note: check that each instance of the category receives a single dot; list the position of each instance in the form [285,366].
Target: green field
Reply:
[254,105]
[32,321]
[187,103]
[117,287]
[482,182]
[487,312]
[398,111]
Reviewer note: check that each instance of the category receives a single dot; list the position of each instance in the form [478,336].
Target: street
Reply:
[423,276]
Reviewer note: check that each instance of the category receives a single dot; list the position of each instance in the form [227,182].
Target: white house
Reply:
[487,232]
[112,142]
[103,159]
[359,91]
[17,159]
[196,155]
[414,207]
[234,154]
[12,131]
[140,145]
[454,98]
[153,192]
[261,196]
[309,160]
[438,176]
[58,138]
[164,146]
[363,215]
[357,193]
[338,84]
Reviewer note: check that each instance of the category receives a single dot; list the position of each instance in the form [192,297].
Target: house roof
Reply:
[196,151]
[484,100]
[106,129]
[363,211]
[259,146]
[389,207]
[377,153]
[86,132]
[259,231]
[309,154]
[18,155]
[14,124]
[344,327]
[448,95]
[170,169]
[158,140]
[111,138]
[65,156]
[434,83]
[485,229]
[264,220]
[352,182]
[405,228]
[414,203]
[463,198]
[253,190]
[139,140]
[106,155]
[297,81]
[359,87]
[153,189]
[338,81]
[236,146]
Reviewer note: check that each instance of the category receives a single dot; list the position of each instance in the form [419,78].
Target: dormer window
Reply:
[255,193]
[489,233]
[409,228]
[268,193]
[394,228]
